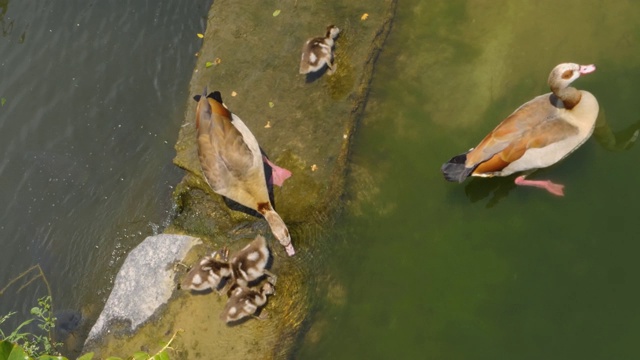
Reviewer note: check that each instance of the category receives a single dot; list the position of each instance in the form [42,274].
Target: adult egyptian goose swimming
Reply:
[209,272]
[245,302]
[318,52]
[232,163]
[538,134]
[250,263]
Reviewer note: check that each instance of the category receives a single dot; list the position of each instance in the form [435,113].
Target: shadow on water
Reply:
[315,75]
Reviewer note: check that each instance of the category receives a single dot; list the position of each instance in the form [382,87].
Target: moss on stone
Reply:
[311,124]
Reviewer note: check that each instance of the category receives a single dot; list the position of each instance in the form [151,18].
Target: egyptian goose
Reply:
[249,264]
[232,163]
[538,134]
[318,52]
[245,302]
[209,272]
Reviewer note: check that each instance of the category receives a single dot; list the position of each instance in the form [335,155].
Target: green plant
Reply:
[35,344]
[10,351]
[24,345]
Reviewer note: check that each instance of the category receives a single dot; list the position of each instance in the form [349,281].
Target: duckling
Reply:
[249,264]
[209,273]
[245,302]
[318,51]
[232,163]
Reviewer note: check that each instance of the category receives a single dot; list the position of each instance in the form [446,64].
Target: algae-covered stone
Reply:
[252,58]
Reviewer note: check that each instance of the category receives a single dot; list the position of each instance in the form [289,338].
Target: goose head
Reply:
[564,74]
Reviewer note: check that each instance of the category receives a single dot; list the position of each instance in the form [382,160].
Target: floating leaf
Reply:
[208,64]
[268,125]
[200,35]
[2,101]
[271,104]
[217,61]
[364,16]
[276,13]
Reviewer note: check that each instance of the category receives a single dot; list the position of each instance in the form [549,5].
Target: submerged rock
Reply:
[144,283]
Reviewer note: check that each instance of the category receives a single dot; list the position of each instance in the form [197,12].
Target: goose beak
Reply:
[290,250]
[587,69]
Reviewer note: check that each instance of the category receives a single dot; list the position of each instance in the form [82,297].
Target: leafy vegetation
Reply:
[12,351]
[22,344]
[34,344]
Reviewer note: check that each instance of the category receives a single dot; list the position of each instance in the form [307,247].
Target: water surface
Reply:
[94,97]
[484,270]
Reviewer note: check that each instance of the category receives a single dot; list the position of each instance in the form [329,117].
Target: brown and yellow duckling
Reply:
[318,52]
[250,263]
[245,302]
[209,272]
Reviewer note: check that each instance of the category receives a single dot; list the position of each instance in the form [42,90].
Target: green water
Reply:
[427,269]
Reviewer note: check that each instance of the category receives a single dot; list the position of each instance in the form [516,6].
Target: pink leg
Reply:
[278,174]
[555,189]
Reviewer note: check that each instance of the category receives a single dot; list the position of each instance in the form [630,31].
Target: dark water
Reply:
[426,269]
[94,95]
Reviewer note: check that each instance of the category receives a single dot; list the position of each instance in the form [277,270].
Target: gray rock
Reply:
[144,283]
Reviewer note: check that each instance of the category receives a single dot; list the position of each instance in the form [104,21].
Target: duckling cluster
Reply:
[245,278]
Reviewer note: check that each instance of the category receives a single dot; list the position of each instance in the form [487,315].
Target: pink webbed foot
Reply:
[278,174]
[555,189]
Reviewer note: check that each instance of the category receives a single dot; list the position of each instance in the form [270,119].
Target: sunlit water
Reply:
[94,93]
[426,269]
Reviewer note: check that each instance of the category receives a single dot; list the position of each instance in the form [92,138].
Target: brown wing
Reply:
[536,124]
[224,156]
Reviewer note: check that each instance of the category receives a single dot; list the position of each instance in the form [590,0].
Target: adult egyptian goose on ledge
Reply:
[318,52]
[538,134]
[232,163]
